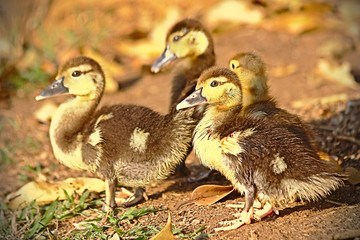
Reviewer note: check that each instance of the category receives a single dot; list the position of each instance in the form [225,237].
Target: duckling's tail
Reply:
[314,187]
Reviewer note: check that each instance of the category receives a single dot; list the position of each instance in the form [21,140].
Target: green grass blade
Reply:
[41,223]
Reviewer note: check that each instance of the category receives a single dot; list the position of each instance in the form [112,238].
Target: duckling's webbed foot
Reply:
[246,214]
[136,198]
[266,210]
[245,218]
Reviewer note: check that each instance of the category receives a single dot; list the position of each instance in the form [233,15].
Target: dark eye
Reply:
[233,66]
[76,73]
[214,83]
[176,38]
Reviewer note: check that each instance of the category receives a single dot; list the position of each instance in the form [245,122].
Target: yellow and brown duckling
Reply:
[257,102]
[191,44]
[267,162]
[125,144]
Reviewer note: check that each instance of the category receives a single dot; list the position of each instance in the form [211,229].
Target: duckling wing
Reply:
[123,130]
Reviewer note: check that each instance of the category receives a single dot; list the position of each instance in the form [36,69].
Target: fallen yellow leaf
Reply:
[231,11]
[283,70]
[44,192]
[166,232]
[209,194]
[338,73]
[149,49]
[115,237]
[294,23]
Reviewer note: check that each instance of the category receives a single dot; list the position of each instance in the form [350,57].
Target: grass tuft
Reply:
[41,222]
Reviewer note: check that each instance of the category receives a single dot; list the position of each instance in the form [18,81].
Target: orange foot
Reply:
[260,211]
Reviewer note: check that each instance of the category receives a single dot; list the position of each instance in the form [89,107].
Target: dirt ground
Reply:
[338,214]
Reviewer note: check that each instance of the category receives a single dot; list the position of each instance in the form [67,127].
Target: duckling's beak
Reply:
[192,100]
[56,88]
[165,58]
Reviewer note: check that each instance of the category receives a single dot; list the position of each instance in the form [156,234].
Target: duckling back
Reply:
[135,144]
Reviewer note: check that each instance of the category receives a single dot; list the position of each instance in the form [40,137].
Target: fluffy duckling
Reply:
[257,102]
[125,144]
[267,162]
[189,42]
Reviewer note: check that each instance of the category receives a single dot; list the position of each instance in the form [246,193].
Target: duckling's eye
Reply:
[214,83]
[233,66]
[76,73]
[176,38]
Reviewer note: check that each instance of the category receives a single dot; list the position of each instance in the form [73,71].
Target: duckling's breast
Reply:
[209,149]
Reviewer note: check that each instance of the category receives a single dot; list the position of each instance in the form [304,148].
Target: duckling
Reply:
[257,102]
[126,144]
[192,44]
[265,161]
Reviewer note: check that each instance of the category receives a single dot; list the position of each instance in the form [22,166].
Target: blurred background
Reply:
[310,47]
[37,36]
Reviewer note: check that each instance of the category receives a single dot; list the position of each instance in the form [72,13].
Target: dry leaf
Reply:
[353,175]
[233,12]
[294,23]
[328,158]
[115,237]
[149,49]
[301,18]
[166,232]
[45,112]
[338,73]
[336,47]
[44,192]
[209,194]
[283,71]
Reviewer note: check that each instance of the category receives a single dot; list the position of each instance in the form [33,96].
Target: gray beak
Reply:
[56,88]
[192,100]
[165,58]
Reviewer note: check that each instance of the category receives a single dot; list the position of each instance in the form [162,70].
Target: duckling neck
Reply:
[66,128]
[186,74]
[216,116]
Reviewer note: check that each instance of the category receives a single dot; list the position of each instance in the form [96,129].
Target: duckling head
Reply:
[216,86]
[251,71]
[80,76]
[188,38]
